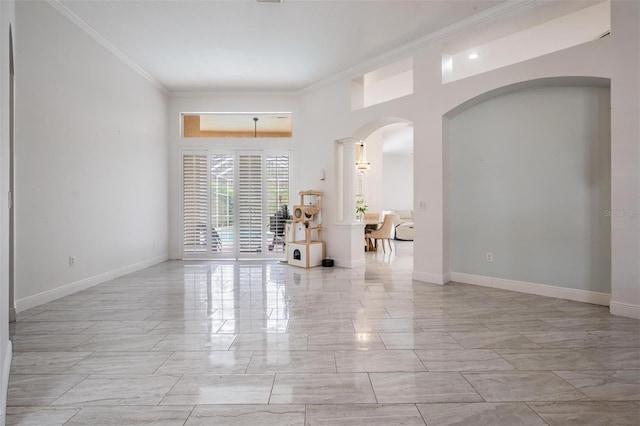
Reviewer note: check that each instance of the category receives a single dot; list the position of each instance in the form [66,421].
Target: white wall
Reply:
[530,182]
[389,88]
[7,18]
[91,161]
[551,36]
[625,158]
[397,182]
[615,57]
[326,117]
[323,115]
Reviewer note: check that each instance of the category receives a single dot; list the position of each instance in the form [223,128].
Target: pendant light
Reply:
[362,165]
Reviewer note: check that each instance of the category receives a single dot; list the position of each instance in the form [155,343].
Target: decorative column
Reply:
[348,180]
[348,238]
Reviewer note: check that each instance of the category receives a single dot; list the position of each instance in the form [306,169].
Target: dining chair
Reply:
[383,233]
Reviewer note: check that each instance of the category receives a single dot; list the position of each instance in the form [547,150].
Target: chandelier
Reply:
[362,165]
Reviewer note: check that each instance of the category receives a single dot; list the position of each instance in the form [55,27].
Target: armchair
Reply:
[383,233]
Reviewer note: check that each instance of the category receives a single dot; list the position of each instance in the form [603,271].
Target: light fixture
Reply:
[473,55]
[362,165]
[255,127]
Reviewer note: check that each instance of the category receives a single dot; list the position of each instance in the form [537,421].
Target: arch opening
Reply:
[388,186]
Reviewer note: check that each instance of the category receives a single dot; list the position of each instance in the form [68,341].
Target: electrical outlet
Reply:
[489,256]
[72,261]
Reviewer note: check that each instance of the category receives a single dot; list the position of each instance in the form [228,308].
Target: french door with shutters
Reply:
[230,203]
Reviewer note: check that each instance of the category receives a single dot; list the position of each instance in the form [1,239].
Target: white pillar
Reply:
[348,180]
[347,245]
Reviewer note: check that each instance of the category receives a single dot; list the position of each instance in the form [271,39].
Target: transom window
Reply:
[237,125]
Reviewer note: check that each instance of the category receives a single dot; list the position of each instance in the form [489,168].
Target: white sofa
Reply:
[404,225]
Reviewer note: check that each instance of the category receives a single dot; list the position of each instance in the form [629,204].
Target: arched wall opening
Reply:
[388,186]
[367,129]
[527,188]
[372,134]
[347,234]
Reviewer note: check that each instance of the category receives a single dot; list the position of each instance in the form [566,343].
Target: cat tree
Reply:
[305,247]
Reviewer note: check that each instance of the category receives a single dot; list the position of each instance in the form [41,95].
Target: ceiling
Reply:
[232,45]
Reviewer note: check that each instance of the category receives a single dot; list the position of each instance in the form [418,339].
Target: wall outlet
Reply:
[488,257]
[72,261]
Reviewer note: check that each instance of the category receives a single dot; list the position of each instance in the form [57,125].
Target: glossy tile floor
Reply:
[253,343]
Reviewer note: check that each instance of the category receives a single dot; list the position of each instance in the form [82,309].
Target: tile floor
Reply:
[257,343]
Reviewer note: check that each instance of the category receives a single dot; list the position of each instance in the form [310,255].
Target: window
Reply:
[222,202]
[232,203]
[194,203]
[250,214]
[237,125]
[277,196]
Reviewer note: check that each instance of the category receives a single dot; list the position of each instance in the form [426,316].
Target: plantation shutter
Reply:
[250,203]
[277,180]
[232,203]
[277,195]
[195,203]
[222,178]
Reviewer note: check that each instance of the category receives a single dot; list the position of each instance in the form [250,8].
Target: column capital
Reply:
[348,141]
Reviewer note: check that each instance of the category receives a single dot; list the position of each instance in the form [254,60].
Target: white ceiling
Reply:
[231,45]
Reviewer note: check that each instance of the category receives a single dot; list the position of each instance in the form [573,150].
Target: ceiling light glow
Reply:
[474,55]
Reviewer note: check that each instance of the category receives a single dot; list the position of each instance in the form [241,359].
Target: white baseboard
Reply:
[430,278]
[625,310]
[349,263]
[6,369]
[533,288]
[67,289]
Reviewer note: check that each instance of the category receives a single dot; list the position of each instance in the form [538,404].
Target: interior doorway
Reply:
[397,163]
[388,186]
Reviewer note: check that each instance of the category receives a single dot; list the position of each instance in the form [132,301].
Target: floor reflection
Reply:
[259,341]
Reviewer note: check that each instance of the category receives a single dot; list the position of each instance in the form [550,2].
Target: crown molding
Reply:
[487,15]
[232,93]
[91,32]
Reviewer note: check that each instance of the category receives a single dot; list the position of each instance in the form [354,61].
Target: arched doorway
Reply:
[349,241]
